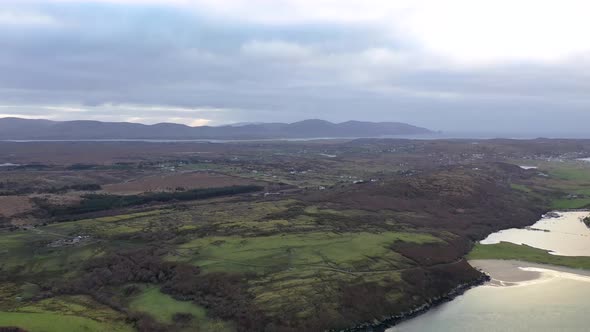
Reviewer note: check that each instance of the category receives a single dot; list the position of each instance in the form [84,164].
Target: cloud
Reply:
[467,31]
[25,116]
[483,32]
[161,108]
[276,49]
[438,64]
[21,19]
[147,114]
[384,57]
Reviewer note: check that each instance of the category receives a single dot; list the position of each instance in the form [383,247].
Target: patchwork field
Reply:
[262,236]
[565,183]
[288,250]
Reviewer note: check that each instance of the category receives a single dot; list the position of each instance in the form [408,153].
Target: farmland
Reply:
[275,236]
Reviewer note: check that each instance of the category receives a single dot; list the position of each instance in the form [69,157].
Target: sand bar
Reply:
[514,272]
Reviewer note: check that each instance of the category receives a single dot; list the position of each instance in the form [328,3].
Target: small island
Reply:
[587,221]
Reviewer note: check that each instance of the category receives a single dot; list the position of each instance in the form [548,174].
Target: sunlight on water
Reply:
[565,236]
[556,304]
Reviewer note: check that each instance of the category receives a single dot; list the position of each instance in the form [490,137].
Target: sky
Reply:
[455,65]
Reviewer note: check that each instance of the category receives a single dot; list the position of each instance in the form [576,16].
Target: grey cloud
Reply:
[100,55]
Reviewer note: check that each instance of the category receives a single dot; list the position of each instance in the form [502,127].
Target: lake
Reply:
[522,296]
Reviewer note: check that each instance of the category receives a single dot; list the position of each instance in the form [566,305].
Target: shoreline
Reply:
[393,320]
[495,273]
[514,273]
[506,273]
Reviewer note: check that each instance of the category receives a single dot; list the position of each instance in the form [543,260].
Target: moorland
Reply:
[262,236]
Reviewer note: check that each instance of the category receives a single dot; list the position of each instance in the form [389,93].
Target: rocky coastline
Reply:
[382,325]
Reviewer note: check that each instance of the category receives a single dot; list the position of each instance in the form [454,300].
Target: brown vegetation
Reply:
[13,205]
[456,192]
[175,181]
[224,295]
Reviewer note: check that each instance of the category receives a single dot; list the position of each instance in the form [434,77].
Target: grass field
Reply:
[564,178]
[51,322]
[506,250]
[65,314]
[162,307]
[576,203]
[520,187]
[299,274]
[29,251]
[349,251]
[571,172]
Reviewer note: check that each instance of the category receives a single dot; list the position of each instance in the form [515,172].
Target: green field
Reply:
[291,268]
[65,314]
[326,250]
[49,322]
[571,172]
[565,186]
[576,203]
[506,250]
[293,254]
[163,307]
[520,187]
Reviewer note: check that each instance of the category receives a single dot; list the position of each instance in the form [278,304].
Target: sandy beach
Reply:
[514,272]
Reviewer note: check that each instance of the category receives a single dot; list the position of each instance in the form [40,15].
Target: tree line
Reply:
[101,202]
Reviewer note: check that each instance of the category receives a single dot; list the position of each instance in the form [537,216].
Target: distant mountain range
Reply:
[26,129]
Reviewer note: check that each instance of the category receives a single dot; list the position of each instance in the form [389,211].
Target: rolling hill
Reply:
[26,129]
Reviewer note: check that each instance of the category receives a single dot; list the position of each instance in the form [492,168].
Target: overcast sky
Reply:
[452,65]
